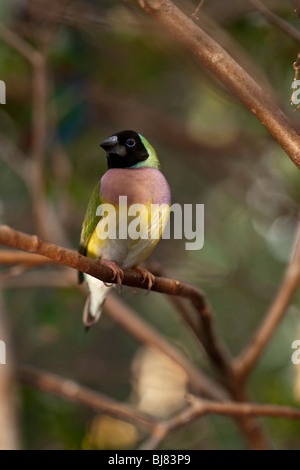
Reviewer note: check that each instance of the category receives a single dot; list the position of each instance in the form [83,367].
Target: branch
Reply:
[249,357]
[196,12]
[296,7]
[231,74]
[21,257]
[205,332]
[144,333]
[71,390]
[276,20]
[199,408]
[37,60]
[23,47]
[38,146]
[135,326]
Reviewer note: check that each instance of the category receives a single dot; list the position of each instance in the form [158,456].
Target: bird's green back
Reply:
[90,222]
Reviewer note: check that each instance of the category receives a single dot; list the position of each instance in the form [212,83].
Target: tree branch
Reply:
[37,60]
[146,334]
[231,74]
[21,257]
[206,331]
[276,20]
[200,406]
[70,390]
[23,47]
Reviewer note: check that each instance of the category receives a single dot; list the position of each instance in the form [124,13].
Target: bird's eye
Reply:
[130,143]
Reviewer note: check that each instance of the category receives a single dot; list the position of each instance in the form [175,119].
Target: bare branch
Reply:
[143,332]
[71,390]
[196,12]
[212,344]
[206,332]
[38,146]
[199,408]
[37,59]
[21,257]
[296,7]
[218,61]
[33,56]
[276,20]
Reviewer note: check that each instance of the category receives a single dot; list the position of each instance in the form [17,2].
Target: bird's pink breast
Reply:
[140,185]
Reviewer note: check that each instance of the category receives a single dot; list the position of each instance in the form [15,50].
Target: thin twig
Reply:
[200,406]
[195,13]
[296,7]
[33,56]
[276,20]
[38,146]
[22,257]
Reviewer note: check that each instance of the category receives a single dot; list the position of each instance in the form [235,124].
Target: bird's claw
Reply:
[147,276]
[118,274]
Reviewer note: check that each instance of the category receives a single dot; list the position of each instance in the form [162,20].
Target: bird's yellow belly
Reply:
[143,233]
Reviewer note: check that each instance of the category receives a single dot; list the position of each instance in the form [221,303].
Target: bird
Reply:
[133,171]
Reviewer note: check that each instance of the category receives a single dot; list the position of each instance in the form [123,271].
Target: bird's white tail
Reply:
[95,301]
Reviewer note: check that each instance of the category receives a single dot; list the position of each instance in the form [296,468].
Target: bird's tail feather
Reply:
[95,301]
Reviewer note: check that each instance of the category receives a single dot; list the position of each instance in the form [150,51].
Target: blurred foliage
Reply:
[111,68]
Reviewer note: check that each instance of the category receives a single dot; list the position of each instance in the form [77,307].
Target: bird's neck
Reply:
[152,161]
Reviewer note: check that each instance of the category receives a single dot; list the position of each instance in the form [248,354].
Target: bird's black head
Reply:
[124,149]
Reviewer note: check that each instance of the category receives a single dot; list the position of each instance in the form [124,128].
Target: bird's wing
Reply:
[89,224]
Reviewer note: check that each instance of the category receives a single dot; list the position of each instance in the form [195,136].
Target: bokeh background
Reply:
[110,67]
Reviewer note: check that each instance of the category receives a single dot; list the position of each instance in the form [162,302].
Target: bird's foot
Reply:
[118,274]
[147,276]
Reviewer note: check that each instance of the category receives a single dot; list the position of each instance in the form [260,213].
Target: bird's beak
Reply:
[111,145]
